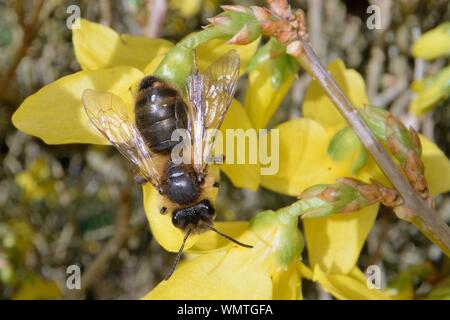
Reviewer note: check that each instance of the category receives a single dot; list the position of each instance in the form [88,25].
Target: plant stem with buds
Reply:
[420,212]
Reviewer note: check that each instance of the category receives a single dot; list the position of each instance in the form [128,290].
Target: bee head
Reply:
[195,216]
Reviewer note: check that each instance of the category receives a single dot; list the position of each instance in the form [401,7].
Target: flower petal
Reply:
[303,159]
[242,175]
[212,241]
[434,43]
[97,46]
[262,99]
[430,91]
[287,284]
[220,275]
[55,113]
[319,107]
[335,242]
[437,167]
[211,50]
[348,287]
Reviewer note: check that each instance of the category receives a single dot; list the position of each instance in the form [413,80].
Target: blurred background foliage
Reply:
[76,204]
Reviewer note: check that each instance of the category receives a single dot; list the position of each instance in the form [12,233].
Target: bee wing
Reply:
[108,114]
[210,94]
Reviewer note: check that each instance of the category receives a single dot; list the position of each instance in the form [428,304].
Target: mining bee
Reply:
[147,142]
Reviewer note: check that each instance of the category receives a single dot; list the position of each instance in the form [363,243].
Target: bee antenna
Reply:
[210,227]
[178,257]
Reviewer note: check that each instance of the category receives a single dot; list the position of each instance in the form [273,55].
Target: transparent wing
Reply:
[210,94]
[219,86]
[108,114]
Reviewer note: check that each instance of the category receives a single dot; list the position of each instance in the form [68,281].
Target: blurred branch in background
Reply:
[121,232]
[105,12]
[156,12]
[30,27]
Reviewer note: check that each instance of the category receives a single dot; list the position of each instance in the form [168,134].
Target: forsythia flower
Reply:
[216,269]
[433,89]
[307,158]
[116,63]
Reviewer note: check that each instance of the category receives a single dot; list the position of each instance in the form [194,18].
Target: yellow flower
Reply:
[216,269]
[35,287]
[334,242]
[434,43]
[433,89]
[115,63]
[430,91]
[36,182]
[262,97]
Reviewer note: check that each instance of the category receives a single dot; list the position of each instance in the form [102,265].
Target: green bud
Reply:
[241,27]
[289,242]
[343,144]
[268,51]
[176,66]
[400,139]
[323,200]
[375,118]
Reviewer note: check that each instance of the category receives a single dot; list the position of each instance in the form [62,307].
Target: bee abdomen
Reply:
[158,135]
[159,111]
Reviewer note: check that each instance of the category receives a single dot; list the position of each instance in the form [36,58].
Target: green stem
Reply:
[195,39]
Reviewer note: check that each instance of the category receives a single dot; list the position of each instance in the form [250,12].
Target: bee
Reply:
[146,140]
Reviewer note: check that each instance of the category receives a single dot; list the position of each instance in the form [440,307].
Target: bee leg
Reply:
[216,184]
[163,210]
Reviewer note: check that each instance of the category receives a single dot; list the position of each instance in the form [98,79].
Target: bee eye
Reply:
[179,219]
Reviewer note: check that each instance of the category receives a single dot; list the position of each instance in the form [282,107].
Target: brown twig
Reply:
[105,12]
[420,212]
[30,31]
[121,233]
[156,12]
[314,19]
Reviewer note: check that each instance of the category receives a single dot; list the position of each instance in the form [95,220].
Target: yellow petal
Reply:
[335,242]
[437,167]
[242,175]
[97,46]
[434,43]
[55,113]
[348,287]
[303,159]
[151,67]
[430,91]
[262,98]
[211,241]
[305,271]
[37,288]
[213,49]
[287,284]
[235,274]
[319,107]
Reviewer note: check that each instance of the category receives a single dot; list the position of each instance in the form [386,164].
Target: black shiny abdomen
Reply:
[181,184]
[159,110]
